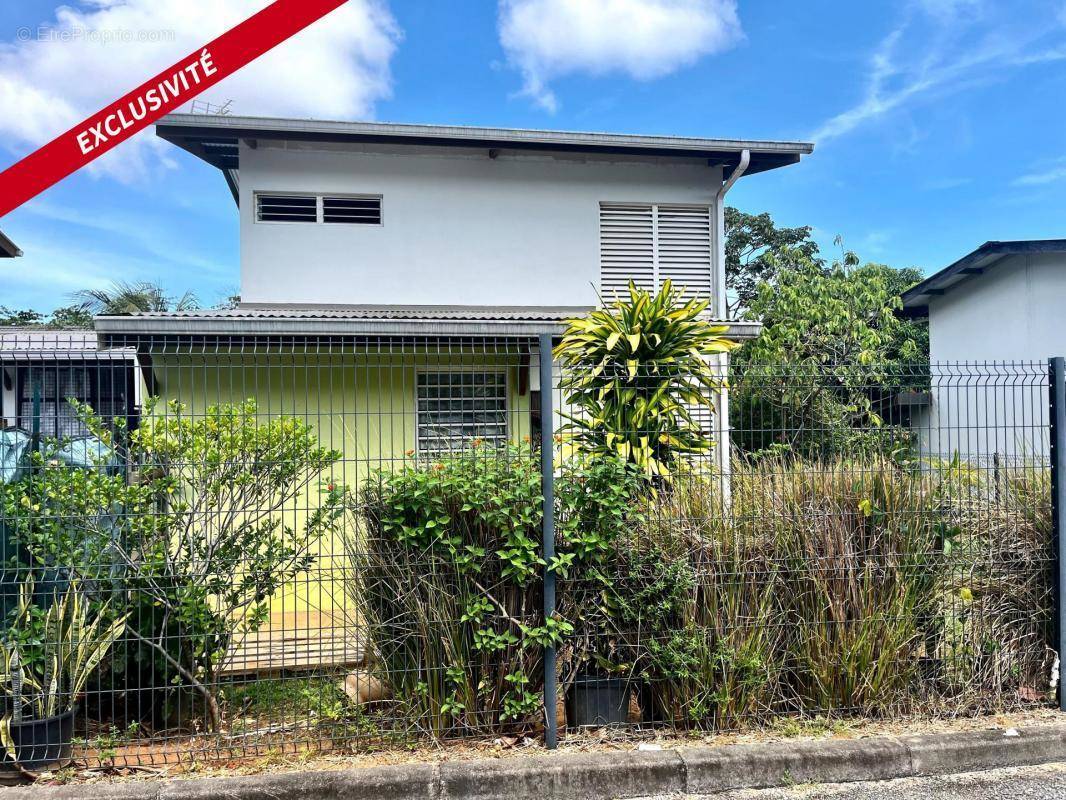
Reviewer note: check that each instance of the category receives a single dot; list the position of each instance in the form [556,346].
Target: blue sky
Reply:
[938,124]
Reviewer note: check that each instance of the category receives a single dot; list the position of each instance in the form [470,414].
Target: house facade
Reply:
[995,318]
[395,280]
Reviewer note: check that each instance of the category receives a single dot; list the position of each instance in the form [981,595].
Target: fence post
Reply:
[1057,417]
[547,476]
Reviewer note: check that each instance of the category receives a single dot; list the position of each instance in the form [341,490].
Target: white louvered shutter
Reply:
[649,244]
[683,247]
[627,248]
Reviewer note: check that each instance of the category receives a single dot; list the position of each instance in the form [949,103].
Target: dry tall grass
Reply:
[860,587]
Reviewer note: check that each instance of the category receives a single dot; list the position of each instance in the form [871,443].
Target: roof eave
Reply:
[916,299]
[108,327]
[214,139]
[8,249]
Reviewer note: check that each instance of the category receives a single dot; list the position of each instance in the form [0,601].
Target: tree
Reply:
[832,351]
[752,246]
[26,318]
[70,317]
[132,298]
[635,371]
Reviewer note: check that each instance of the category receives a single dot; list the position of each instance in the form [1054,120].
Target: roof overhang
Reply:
[916,299]
[8,249]
[37,346]
[357,322]
[215,139]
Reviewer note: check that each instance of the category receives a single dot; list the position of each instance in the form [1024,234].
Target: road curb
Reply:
[603,776]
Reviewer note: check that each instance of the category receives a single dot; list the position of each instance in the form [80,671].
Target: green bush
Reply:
[449,583]
[195,543]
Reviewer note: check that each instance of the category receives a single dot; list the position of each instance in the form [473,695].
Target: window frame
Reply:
[319,210]
[461,368]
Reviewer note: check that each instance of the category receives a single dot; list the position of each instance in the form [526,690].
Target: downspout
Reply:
[724,438]
[720,307]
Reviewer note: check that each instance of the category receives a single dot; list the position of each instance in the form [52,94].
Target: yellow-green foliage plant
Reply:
[633,373]
[46,678]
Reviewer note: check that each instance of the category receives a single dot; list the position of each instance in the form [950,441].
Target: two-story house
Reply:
[394,278]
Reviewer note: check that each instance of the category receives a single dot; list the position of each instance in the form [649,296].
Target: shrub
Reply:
[197,542]
[448,579]
[635,371]
[219,547]
[998,644]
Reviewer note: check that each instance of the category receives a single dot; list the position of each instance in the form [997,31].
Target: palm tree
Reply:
[131,298]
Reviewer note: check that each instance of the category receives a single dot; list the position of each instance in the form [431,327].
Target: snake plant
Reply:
[74,640]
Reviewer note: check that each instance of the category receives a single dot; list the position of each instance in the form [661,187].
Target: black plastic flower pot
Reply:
[43,743]
[595,702]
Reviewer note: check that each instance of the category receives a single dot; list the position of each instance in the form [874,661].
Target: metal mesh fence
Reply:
[216,548]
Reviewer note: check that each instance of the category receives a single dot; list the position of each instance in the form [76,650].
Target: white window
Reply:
[314,208]
[456,407]
[649,243]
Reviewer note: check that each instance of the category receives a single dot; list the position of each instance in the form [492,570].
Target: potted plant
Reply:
[599,694]
[42,682]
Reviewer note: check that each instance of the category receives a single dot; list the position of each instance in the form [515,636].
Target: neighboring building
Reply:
[394,278]
[1001,303]
[55,366]
[8,249]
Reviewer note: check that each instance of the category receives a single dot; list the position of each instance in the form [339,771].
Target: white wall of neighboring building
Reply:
[989,341]
[1015,311]
[458,228]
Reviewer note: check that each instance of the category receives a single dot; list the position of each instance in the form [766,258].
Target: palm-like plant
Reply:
[635,371]
[131,298]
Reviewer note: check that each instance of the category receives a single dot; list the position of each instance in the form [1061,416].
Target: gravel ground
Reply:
[1047,782]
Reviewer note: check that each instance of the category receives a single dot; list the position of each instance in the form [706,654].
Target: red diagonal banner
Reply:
[167,91]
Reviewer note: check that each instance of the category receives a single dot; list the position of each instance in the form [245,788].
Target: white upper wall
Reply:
[1014,311]
[458,228]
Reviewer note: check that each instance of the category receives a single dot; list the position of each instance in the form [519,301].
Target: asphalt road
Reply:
[1047,782]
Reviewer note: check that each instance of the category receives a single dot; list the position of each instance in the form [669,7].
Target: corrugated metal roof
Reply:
[263,311]
[37,343]
[274,320]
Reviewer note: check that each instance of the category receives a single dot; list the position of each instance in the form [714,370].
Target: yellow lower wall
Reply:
[361,404]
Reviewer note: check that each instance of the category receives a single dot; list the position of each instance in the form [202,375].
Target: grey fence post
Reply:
[1057,416]
[547,475]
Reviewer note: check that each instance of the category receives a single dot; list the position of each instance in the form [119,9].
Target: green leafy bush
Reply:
[449,581]
[195,542]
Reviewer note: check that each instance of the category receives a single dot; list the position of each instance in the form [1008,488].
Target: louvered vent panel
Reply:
[352,210]
[684,249]
[627,248]
[286,208]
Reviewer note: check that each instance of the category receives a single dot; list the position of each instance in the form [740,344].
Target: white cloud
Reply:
[942,47]
[645,39]
[1052,173]
[97,50]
